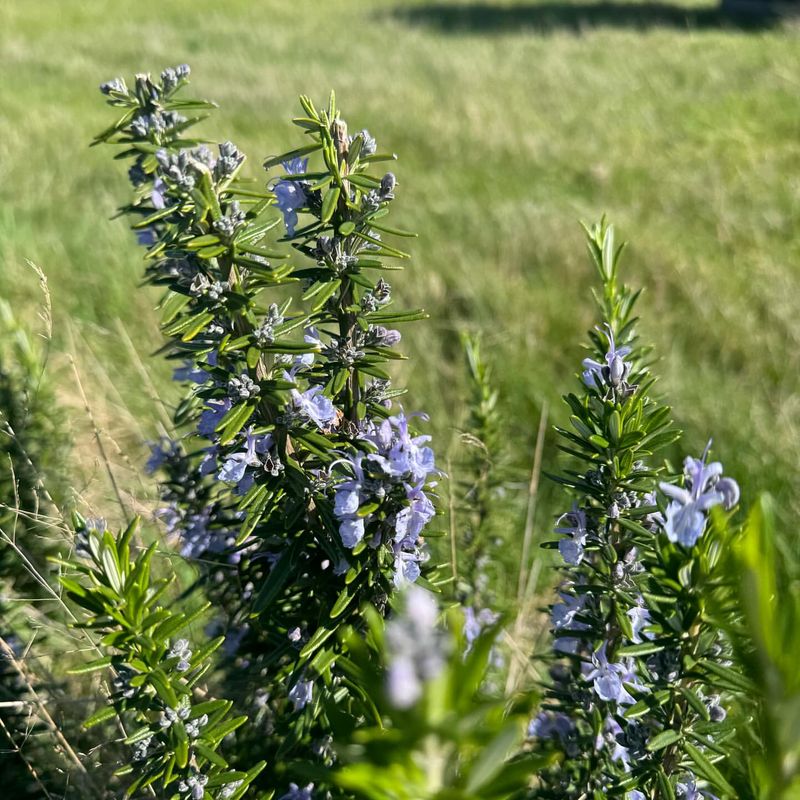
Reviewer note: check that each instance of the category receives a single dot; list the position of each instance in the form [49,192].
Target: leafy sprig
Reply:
[176,728]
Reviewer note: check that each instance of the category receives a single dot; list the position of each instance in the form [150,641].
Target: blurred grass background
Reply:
[513,120]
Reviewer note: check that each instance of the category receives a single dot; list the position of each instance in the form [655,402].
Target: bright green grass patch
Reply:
[512,121]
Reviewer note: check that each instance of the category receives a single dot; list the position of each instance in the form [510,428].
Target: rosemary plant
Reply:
[291,480]
[635,703]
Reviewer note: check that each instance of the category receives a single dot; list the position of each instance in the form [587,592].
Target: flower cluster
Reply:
[387,488]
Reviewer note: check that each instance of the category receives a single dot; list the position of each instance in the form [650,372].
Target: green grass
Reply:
[512,122]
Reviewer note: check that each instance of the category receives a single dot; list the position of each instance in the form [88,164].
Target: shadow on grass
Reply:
[550,16]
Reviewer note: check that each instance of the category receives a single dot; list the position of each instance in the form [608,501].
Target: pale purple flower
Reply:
[233,470]
[313,405]
[688,790]
[415,647]
[575,531]
[351,531]
[160,452]
[407,565]
[209,463]
[611,734]
[305,360]
[170,516]
[301,694]
[158,195]
[546,724]
[568,645]
[565,612]
[212,415]
[475,623]
[290,195]
[685,517]
[347,499]
[296,793]
[399,454]
[607,678]
[146,237]
[402,461]
[296,166]
[639,616]
[410,521]
[614,371]
[295,634]
[189,372]
[195,535]
[346,502]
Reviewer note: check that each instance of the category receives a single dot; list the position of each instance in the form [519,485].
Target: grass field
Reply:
[512,121]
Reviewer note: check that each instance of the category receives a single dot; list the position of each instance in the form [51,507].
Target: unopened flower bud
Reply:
[616,371]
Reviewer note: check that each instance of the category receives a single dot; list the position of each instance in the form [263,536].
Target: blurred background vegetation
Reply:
[512,120]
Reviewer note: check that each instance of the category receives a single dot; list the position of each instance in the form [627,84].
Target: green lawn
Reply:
[512,122]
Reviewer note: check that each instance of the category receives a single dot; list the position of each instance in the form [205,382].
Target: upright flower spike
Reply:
[300,488]
[630,705]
